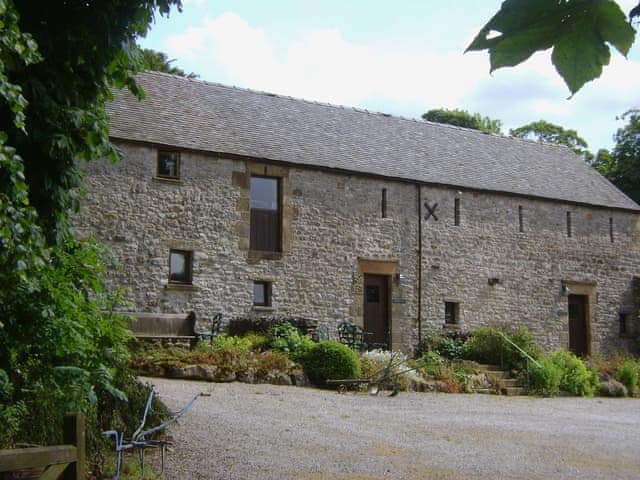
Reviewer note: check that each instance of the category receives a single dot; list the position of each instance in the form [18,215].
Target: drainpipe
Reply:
[419,195]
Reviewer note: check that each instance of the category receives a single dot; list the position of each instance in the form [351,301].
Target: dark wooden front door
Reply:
[376,310]
[578,332]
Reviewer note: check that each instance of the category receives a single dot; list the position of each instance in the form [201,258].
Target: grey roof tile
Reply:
[211,117]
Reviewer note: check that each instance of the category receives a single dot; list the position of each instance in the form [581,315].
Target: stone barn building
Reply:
[253,204]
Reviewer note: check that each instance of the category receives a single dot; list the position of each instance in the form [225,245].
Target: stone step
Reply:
[487,366]
[512,391]
[510,382]
[485,391]
[497,374]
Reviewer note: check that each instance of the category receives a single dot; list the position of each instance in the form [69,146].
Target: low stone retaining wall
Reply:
[213,373]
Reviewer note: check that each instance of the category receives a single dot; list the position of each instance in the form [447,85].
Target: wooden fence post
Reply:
[74,434]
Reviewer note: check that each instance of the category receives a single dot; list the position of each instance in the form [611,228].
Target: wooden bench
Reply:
[171,327]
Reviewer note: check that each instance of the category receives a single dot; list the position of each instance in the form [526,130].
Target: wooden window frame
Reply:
[158,164]
[188,261]
[254,245]
[266,292]
[451,317]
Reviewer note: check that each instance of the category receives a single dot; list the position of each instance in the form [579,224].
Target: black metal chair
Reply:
[351,335]
[216,323]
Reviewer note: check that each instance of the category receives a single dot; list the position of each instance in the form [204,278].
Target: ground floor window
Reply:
[262,294]
[180,266]
[451,313]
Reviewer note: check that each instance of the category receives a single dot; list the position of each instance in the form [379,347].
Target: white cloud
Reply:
[322,65]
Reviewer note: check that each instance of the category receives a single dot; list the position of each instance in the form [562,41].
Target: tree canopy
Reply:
[463,118]
[579,31]
[159,62]
[60,345]
[546,132]
[624,168]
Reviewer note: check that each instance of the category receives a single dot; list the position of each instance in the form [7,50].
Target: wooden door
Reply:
[376,310]
[578,324]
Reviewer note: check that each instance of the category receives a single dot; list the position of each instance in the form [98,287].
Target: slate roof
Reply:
[193,114]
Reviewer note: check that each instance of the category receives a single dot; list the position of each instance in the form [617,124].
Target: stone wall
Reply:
[333,226]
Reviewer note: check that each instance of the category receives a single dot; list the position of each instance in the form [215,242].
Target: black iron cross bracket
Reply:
[431,211]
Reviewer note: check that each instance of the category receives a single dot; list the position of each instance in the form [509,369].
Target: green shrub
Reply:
[486,345]
[449,345]
[330,361]
[288,339]
[627,374]
[224,341]
[266,363]
[258,341]
[545,380]
[577,379]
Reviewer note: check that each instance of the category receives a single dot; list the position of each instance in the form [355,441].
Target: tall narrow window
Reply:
[456,212]
[262,294]
[451,313]
[265,214]
[180,266]
[611,229]
[623,319]
[384,203]
[168,164]
[520,219]
[569,229]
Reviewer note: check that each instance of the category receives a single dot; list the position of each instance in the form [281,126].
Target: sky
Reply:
[402,57]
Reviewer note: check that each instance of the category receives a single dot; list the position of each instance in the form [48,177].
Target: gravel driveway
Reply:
[270,432]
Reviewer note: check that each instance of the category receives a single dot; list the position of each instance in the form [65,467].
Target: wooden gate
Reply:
[66,462]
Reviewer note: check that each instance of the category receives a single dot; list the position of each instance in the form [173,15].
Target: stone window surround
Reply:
[242,180]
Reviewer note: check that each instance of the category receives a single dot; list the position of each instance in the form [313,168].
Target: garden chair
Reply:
[351,335]
[216,323]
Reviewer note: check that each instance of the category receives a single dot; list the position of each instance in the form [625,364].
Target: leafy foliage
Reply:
[330,360]
[159,62]
[545,380]
[61,347]
[59,60]
[579,31]
[288,339]
[546,132]
[624,170]
[462,118]
[487,346]
[60,344]
[576,379]
[627,374]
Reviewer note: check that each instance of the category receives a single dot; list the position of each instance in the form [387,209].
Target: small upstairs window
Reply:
[180,266]
[168,164]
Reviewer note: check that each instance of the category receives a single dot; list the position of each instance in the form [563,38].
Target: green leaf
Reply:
[613,26]
[579,31]
[515,49]
[579,57]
